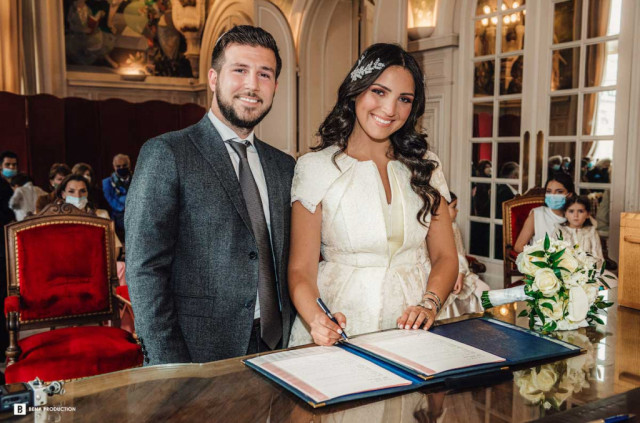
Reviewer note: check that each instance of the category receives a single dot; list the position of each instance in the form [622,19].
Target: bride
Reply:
[365,200]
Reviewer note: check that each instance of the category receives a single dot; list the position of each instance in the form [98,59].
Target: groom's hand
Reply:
[324,331]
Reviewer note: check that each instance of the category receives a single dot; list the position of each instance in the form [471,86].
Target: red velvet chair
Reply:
[514,213]
[62,273]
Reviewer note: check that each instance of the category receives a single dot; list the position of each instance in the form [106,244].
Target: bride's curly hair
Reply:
[408,145]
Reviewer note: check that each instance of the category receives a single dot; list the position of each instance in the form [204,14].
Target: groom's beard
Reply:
[232,116]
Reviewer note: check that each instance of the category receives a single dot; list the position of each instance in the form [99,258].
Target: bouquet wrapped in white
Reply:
[561,284]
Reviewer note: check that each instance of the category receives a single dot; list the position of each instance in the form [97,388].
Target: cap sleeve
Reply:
[437,177]
[311,180]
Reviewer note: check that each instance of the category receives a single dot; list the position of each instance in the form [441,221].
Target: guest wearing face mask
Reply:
[57,173]
[9,161]
[542,220]
[115,189]
[75,191]
[96,196]
[555,164]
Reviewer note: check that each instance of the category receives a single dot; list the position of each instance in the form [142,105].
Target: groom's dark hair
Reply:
[245,35]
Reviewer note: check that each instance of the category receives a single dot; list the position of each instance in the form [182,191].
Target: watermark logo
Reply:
[20,409]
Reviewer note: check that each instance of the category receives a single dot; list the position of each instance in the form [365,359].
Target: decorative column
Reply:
[188,18]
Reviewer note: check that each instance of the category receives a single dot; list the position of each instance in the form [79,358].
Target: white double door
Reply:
[550,92]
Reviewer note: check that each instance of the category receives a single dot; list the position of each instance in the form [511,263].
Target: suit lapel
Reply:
[274,190]
[210,144]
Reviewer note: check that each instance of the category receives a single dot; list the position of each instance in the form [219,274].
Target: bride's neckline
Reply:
[344,153]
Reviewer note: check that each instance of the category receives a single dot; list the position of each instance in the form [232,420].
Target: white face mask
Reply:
[79,202]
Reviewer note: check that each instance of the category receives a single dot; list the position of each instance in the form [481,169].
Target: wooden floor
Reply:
[226,391]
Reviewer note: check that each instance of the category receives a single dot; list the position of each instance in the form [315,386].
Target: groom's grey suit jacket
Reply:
[192,266]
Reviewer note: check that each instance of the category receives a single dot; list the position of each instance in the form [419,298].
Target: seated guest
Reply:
[57,173]
[115,189]
[74,190]
[465,297]
[9,161]
[505,192]
[542,220]
[96,196]
[580,229]
[25,195]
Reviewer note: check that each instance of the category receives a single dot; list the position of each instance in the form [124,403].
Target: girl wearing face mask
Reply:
[542,220]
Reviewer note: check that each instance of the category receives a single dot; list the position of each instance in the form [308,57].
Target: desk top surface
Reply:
[228,391]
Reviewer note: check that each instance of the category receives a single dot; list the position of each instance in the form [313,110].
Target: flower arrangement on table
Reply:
[550,385]
[561,284]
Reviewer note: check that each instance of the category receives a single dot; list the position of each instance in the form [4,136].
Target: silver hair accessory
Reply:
[360,71]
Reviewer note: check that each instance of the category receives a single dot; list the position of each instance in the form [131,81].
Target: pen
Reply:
[614,419]
[330,316]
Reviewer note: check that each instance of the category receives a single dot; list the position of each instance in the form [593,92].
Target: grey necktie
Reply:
[270,318]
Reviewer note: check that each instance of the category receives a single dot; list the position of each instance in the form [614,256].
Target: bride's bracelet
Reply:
[433,307]
[435,297]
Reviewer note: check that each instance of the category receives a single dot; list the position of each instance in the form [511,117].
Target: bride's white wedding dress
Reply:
[375,261]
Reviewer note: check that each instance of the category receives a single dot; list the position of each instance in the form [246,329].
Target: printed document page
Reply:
[423,351]
[324,373]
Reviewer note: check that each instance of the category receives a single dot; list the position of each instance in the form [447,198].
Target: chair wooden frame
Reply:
[533,196]
[56,213]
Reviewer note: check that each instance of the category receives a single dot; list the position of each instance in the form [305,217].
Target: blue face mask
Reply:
[555,201]
[555,167]
[9,173]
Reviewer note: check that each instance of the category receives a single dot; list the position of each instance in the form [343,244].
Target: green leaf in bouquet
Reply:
[523,313]
[537,253]
[547,305]
[532,321]
[560,237]
[604,264]
[608,304]
[556,256]
[557,272]
[541,264]
[553,326]
[609,276]
[597,319]
[604,283]
[540,315]
[547,242]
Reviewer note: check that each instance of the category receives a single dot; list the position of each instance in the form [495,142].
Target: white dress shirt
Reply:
[227,134]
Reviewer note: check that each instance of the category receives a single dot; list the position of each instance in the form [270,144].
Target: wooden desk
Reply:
[226,391]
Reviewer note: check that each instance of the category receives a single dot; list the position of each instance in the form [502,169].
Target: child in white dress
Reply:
[580,229]
[465,297]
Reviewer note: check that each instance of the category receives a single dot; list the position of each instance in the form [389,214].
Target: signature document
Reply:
[323,373]
[422,351]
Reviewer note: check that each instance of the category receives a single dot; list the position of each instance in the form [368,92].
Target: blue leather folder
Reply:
[517,345]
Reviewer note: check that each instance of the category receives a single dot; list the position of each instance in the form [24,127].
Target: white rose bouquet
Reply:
[561,284]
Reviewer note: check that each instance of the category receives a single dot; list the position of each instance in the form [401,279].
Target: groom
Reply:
[207,220]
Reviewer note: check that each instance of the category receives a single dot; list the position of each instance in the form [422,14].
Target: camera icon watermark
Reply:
[20,409]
